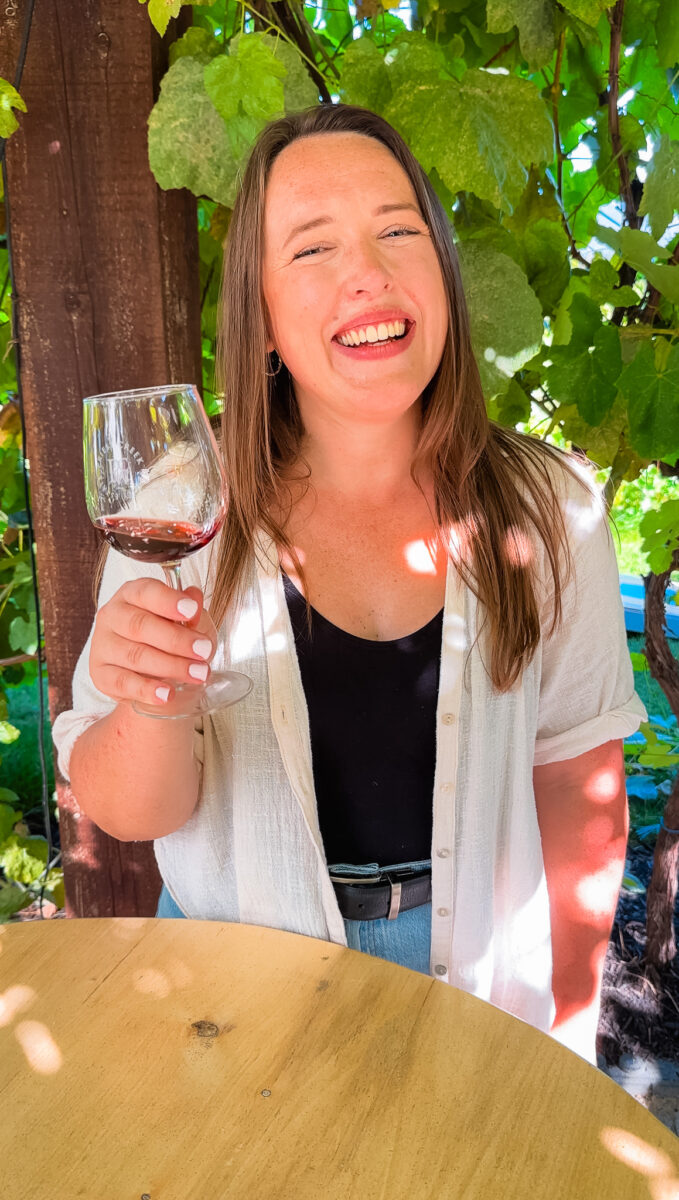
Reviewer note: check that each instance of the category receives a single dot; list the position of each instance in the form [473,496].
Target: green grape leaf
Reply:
[510,408]
[23,859]
[588,11]
[54,886]
[12,900]
[545,246]
[414,56]
[538,202]
[585,372]
[161,11]
[22,636]
[659,528]
[660,197]
[299,90]
[505,314]
[534,20]
[667,32]
[481,134]
[9,99]
[638,20]
[603,285]
[250,76]
[8,733]
[639,661]
[653,402]
[640,250]
[195,43]
[8,819]
[365,79]
[205,165]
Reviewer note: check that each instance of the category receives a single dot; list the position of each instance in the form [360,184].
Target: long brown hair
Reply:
[489,482]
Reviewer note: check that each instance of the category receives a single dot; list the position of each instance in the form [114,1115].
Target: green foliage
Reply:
[574,310]
[9,100]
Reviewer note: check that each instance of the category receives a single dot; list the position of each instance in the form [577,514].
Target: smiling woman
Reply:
[426,601]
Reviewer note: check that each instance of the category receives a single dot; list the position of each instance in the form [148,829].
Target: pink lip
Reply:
[374,350]
[376,317]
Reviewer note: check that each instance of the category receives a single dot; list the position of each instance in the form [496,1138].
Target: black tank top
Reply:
[372,718]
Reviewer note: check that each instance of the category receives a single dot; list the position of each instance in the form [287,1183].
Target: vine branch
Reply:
[499,53]
[555,89]
[615,18]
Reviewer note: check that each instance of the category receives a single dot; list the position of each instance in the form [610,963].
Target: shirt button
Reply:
[442,912]
[440,969]
[446,787]
[448,718]
[444,852]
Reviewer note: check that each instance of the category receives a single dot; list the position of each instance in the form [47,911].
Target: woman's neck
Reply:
[368,462]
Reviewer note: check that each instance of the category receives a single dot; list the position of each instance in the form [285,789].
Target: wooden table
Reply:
[194,1060]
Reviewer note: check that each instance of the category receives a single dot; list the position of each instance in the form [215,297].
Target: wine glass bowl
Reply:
[156,491]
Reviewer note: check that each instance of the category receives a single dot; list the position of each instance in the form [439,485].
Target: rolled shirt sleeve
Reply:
[587,694]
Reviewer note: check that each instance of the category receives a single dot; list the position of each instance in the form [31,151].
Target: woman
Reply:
[428,605]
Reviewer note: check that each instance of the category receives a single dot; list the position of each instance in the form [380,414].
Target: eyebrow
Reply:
[317,221]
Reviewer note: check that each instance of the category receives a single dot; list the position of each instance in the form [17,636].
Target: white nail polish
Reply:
[199,671]
[162,693]
[202,647]
[187,608]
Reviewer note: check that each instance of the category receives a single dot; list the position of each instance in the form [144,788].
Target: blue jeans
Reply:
[405,940]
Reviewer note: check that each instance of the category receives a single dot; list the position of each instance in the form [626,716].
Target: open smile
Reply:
[381,340]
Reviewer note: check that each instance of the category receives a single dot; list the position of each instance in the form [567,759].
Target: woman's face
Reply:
[348,259]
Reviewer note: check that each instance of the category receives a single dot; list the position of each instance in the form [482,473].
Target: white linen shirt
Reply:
[252,851]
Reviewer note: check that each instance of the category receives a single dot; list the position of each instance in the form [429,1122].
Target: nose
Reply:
[366,271]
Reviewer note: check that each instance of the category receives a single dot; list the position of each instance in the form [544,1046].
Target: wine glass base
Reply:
[190,700]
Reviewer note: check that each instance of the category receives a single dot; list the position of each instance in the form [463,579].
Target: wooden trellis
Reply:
[107,295]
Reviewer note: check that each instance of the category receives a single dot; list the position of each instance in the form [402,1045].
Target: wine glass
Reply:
[156,491]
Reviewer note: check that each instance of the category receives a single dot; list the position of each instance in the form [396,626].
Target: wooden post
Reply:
[107,295]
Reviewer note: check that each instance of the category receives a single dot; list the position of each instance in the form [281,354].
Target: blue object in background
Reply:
[634,599]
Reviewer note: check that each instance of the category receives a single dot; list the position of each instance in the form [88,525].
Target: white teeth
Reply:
[372,333]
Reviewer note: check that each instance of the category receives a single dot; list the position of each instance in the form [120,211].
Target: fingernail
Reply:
[202,647]
[187,608]
[162,693]
[199,671]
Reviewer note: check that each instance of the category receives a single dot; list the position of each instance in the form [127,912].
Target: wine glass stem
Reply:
[173,576]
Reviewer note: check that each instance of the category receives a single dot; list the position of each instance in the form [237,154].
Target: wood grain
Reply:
[107,297]
[186,1060]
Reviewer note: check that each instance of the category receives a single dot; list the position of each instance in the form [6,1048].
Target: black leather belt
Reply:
[371,901]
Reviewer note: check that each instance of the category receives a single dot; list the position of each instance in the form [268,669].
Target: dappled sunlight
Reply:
[420,557]
[517,546]
[42,1053]
[14,1001]
[151,983]
[596,894]
[125,929]
[602,785]
[654,1164]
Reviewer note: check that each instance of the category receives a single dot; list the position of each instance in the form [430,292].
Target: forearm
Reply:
[135,777]
[582,811]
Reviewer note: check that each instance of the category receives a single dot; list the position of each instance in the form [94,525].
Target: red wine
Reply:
[155,541]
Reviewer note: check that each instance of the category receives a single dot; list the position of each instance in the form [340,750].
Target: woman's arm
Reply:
[582,813]
[136,778]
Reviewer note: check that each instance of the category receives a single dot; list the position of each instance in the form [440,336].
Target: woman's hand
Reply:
[148,635]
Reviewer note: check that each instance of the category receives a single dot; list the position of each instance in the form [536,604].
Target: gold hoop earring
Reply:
[280,364]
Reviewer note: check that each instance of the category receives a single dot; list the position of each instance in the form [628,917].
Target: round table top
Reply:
[146,1059]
